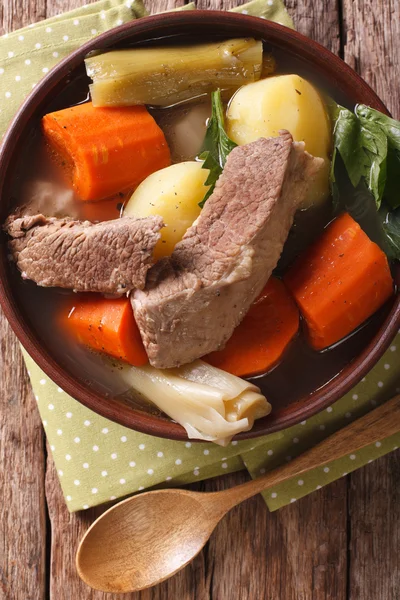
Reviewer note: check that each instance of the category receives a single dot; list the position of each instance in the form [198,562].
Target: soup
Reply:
[178,128]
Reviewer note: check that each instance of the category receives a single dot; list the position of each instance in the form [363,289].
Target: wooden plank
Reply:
[317,20]
[371,46]
[19,13]
[218,4]
[371,31]
[296,552]
[22,460]
[162,5]
[374,504]
[55,7]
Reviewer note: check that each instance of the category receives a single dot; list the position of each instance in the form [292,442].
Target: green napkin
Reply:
[98,460]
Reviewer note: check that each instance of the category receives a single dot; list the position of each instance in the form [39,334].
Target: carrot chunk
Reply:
[339,282]
[105,150]
[107,326]
[259,341]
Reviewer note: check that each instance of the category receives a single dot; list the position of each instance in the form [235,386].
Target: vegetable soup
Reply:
[207,235]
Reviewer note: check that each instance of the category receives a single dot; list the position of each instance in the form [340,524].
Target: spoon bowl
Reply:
[169,528]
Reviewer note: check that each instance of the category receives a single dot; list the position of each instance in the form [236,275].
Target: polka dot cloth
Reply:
[273,10]
[98,460]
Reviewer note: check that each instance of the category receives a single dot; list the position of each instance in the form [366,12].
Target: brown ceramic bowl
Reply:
[303,54]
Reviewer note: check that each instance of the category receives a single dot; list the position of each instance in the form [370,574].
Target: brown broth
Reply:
[302,369]
[184,127]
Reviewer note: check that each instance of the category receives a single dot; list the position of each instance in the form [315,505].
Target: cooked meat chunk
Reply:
[194,300]
[112,257]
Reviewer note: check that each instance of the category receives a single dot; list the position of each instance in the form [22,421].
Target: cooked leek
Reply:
[166,76]
[209,403]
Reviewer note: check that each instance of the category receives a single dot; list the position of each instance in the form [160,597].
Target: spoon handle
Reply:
[372,427]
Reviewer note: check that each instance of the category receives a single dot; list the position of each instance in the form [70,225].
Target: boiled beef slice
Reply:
[194,299]
[111,257]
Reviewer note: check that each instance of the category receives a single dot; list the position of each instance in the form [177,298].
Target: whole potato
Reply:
[289,102]
[173,193]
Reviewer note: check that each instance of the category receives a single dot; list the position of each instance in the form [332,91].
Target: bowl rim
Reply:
[110,408]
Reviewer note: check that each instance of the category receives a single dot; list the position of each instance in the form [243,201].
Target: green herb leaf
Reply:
[346,137]
[216,140]
[363,146]
[215,171]
[372,118]
[387,124]
[216,146]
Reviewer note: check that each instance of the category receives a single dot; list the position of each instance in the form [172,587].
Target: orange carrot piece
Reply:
[107,326]
[105,150]
[259,341]
[339,282]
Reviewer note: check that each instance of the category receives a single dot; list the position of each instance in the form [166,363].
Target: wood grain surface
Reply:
[340,543]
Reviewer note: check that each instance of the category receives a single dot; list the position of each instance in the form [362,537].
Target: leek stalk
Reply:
[164,76]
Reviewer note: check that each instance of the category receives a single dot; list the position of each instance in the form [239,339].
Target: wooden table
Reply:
[342,542]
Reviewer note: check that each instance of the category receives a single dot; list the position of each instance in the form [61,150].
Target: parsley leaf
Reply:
[390,126]
[391,129]
[215,171]
[216,146]
[363,146]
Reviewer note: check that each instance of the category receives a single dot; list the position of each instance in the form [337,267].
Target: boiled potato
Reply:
[173,193]
[289,102]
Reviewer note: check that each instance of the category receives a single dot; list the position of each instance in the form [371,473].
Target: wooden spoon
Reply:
[147,538]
